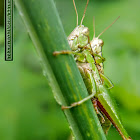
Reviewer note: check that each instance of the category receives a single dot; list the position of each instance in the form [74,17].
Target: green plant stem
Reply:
[46,31]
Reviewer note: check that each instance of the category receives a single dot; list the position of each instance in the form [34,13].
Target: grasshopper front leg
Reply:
[100,59]
[63,52]
[78,56]
[79,102]
[108,82]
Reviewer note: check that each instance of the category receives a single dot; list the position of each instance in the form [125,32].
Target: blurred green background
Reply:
[28,110]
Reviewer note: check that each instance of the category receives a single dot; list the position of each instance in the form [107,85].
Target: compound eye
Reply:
[85,31]
[101,42]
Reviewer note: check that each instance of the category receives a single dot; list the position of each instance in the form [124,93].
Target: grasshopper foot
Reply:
[65,107]
[56,53]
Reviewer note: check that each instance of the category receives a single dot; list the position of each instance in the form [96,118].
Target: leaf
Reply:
[46,31]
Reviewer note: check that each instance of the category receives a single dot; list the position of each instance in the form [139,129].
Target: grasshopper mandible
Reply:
[88,56]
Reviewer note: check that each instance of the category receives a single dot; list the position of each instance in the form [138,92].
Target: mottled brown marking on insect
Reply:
[100,71]
[94,101]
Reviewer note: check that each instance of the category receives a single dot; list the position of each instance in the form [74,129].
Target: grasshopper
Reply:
[96,48]
[88,56]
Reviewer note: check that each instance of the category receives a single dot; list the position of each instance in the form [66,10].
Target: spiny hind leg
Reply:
[90,85]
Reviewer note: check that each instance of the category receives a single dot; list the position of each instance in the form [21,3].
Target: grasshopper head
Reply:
[96,45]
[81,29]
[96,42]
[85,31]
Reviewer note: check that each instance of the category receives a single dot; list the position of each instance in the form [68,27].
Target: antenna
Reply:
[84,12]
[75,11]
[108,26]
[94,27]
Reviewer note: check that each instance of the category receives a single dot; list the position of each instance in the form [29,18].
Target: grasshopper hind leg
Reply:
[90,85]
[105,122]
